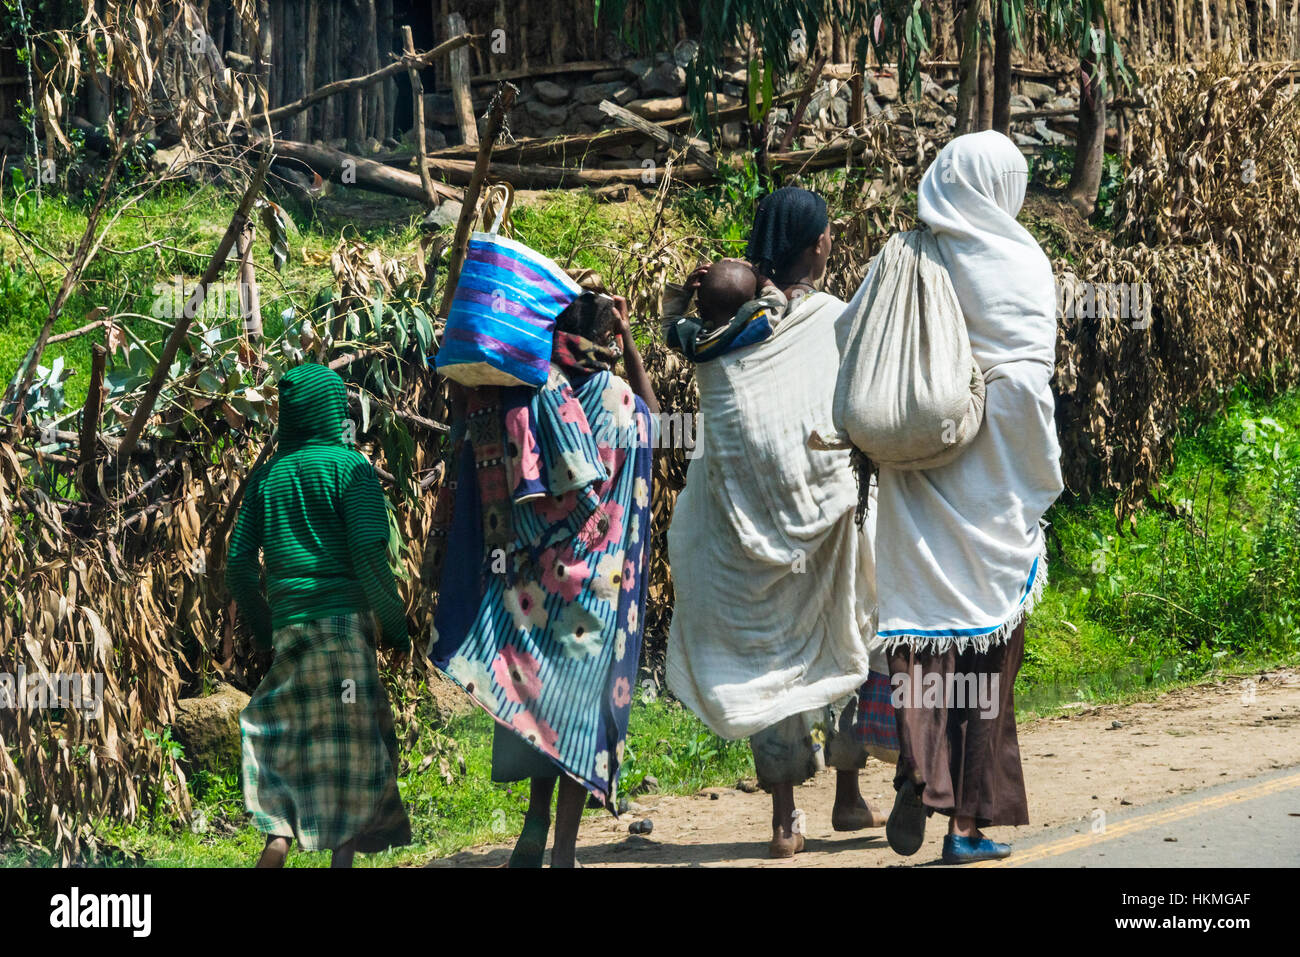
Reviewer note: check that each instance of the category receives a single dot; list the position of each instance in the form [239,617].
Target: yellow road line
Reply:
[1144,822]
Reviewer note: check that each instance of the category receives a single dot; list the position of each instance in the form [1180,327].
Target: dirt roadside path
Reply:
[1110,757]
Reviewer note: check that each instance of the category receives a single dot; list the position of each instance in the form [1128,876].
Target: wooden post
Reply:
[250,299]
[968,88]
[309,67]
[858,90]
[327,126]
[374,94]
[384,23]
[1001,117]
[90,413]
[263,48]
[501,104]
[986,82]
[458,64]
[355,124]
[417,101]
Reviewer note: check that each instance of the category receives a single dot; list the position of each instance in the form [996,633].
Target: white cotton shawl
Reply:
[774,582]
[960,548]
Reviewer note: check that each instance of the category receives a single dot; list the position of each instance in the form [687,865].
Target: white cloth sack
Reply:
[774,582]
[909,394]
[960,548]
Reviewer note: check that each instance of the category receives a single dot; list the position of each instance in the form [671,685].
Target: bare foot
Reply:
[531,846]
[274,853]
[785,843]
[342,855]
[855,817]
[851,811]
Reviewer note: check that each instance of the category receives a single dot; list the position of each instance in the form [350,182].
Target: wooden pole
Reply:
[375,94]
[501,104]
[309,67]
[986,82]
[1001,115]
[417,101]
[967,90]
[250,299]
[90,413]
[460,95]
[218,260]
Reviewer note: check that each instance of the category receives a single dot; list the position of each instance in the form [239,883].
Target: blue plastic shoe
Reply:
[968,850]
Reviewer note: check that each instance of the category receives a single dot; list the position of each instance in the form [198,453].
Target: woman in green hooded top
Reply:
[319,751]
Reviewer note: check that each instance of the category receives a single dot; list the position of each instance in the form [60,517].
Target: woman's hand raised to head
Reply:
[632,364]
[621,325]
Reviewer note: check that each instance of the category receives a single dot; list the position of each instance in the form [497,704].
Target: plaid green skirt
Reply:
[319,749]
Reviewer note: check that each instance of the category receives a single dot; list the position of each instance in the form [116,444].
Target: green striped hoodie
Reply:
[318,516]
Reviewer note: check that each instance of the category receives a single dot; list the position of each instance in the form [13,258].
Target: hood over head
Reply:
[313,405]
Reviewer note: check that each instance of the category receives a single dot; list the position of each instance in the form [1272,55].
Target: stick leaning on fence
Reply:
[501,103]
[161,371]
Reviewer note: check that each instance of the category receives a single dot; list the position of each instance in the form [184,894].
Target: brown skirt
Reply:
[957,730]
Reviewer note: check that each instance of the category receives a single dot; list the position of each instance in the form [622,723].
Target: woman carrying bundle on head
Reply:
[542,544]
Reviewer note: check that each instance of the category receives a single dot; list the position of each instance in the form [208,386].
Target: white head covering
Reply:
[969,198]
[960,548]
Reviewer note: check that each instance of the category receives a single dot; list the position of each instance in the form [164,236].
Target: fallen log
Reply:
[574,145]
[352,170]
[459,172]
[657,133]
[561,177]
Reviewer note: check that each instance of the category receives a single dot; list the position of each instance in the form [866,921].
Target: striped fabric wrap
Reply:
[551,649]
[503,315]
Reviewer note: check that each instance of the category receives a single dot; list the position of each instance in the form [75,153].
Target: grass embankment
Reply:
[1208,578]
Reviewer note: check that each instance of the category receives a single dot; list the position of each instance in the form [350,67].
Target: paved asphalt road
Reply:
[1250,823]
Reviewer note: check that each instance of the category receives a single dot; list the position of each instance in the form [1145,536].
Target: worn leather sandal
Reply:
[905,829]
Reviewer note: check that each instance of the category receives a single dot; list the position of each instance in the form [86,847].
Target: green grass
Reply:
[447,814]
[1207,579]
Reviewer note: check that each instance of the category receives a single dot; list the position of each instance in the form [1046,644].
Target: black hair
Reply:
[788,221]
[591,316]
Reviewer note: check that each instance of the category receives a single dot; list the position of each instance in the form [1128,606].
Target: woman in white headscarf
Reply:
[960,548]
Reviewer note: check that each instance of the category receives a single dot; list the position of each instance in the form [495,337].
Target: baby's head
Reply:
[728,285]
